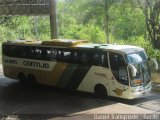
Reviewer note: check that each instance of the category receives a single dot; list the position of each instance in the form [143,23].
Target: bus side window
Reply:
[90,56]
[84,58]
[38,53]
[100,59]
[59,55]
[66,56]
[105,61]
[46,53]
[13,52]
[53,54]
[17,53]
[24,52]
[5,50]
[76,57]
[30,53]
[97,59]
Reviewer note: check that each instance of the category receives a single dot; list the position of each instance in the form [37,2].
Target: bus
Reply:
[103,69]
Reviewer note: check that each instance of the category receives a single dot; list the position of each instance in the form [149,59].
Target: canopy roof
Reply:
[24,7]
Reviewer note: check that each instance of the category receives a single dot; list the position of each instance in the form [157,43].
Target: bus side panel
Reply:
[66,75]
[77,77]
[10,71]
[53,76]
[96,75]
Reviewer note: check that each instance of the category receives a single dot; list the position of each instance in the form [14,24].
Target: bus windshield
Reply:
[136,57]
[139,60]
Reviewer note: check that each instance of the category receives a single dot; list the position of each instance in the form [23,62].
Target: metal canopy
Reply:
[24,7]
[32,7]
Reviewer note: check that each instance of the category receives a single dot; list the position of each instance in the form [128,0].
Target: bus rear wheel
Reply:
[22,79]
[31,81]
[100,91]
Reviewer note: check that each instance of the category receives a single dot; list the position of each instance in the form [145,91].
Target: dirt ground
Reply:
[156,77]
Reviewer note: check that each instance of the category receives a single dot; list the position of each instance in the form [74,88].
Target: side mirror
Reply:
[153,64]
[133,70]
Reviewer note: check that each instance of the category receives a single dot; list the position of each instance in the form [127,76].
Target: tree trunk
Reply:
[152,16]
[107,21]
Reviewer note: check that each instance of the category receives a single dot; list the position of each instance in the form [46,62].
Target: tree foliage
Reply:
[151,10]
[118,21]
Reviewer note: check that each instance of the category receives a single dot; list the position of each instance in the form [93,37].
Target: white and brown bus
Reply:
[104,69]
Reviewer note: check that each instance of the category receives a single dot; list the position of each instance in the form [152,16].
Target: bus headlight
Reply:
[137,82]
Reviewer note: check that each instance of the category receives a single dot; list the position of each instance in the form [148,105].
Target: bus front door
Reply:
[119,80]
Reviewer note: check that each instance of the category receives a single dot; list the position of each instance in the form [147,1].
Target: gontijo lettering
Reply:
[36,64]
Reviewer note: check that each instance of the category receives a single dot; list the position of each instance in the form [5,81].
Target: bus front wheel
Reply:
[100,91]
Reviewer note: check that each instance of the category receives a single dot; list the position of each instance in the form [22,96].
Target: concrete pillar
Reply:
[53,19]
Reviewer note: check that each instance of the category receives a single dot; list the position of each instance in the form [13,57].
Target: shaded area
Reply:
[44,102]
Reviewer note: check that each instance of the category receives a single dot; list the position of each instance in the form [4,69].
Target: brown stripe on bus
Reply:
[66,75]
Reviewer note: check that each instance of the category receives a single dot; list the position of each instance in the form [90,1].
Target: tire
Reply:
[22,78]
[31,81]
[100,91]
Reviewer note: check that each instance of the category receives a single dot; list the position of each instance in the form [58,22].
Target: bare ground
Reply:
[156,77]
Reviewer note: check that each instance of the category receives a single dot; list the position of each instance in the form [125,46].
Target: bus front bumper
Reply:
[140,93]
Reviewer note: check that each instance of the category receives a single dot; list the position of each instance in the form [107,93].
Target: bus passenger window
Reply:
[24,52]
[90,56]
[38,53]
[66,56]
[77,57]
[4,50]
[46,54]
[100,60]
[60,55]
[97,59]
[53,54]
[84,58]
[105,61]
[14,51]
[31,53]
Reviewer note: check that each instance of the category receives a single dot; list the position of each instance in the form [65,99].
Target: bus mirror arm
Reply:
[133,70]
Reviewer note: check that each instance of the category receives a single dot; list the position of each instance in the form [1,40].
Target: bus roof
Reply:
[67,43]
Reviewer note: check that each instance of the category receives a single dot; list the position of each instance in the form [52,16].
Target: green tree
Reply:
[126,21]
[151,10]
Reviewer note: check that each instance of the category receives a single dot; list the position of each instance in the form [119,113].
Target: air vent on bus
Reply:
[104,45]
[63,42]
[97,46]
